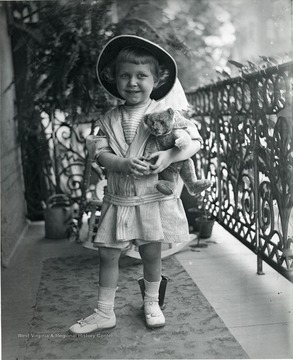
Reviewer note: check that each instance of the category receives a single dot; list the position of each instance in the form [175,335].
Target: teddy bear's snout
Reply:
[158,131]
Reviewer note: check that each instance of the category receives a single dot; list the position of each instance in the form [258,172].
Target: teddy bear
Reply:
[168,130]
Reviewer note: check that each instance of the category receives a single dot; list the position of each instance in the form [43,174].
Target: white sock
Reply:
[151,292]
[106,299]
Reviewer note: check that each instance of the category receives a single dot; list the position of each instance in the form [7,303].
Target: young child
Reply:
[141,73]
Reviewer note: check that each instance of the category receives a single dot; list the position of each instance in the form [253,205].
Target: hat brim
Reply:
[114,46]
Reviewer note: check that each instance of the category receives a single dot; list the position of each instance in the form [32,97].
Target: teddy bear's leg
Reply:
[167,181]
[188,176]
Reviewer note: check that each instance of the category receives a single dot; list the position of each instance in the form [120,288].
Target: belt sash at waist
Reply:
[136,200]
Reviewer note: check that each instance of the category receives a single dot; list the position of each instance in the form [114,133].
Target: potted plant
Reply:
[193,214]
[191,206]
[205,221]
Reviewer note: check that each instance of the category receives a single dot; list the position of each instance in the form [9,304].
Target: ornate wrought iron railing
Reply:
[246,123]
[65,141]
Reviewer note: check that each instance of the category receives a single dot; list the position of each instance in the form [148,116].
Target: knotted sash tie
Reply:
[136,200]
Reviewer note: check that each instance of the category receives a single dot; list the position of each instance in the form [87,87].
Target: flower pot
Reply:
[193,214]
[205,227]
[58,217]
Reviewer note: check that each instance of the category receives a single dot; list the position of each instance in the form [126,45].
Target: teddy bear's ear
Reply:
[146,118]
[170,111]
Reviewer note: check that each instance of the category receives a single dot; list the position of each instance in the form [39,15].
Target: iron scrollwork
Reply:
[66,142]
[249,122]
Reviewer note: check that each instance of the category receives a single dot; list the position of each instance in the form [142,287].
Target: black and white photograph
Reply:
[146,179]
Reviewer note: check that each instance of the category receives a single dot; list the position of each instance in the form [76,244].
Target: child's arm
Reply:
[132,166]
[167,157]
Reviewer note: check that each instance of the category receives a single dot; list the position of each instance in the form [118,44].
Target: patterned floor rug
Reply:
[68,290]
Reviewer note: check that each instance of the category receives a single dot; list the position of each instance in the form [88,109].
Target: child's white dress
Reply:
[133,209]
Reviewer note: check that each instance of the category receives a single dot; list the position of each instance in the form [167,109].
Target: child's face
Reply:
[135,82]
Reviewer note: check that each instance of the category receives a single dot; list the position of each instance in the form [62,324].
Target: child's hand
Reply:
[136,167]
[163,160]
[183,139]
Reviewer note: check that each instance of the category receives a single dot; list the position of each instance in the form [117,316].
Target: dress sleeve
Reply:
[102,145]
[101,142]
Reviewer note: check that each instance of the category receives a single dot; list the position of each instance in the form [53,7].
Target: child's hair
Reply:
[136,55]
